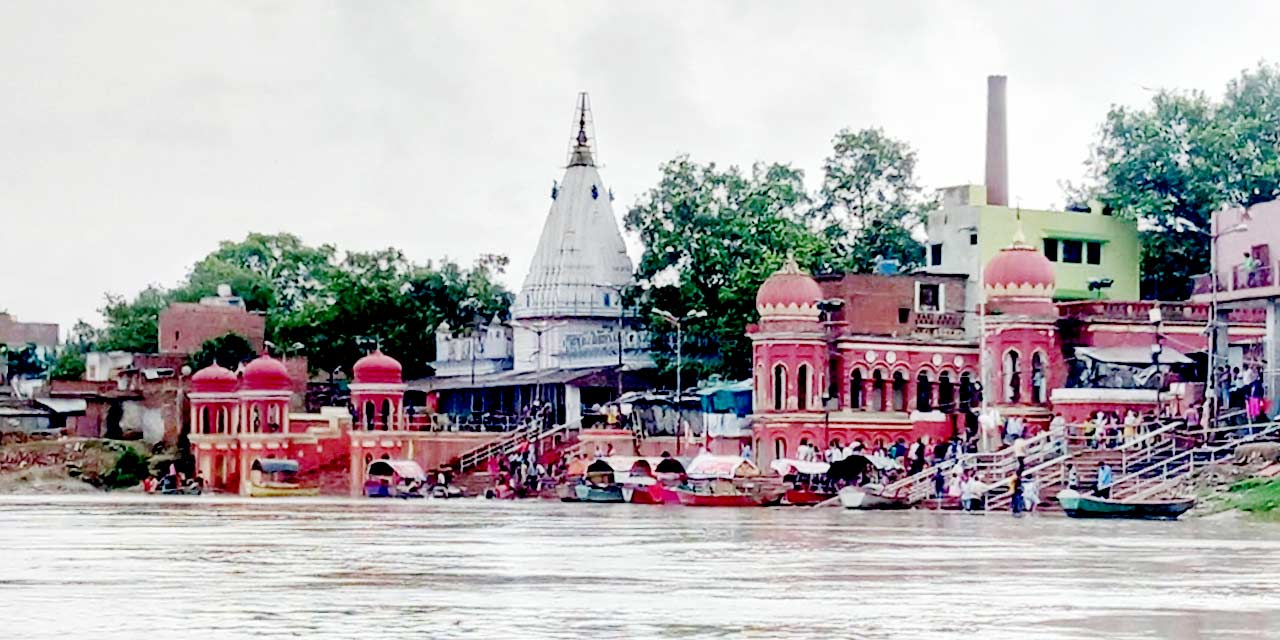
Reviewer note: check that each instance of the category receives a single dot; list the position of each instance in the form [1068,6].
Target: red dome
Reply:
[1019,270]
[214,379]
[377,368]
[789,292]
[267,374]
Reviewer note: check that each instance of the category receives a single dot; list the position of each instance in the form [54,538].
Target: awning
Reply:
[505,379]
[275,465]
[1136,356]
[63,405]
[708,467]
[402,468]
[808,467]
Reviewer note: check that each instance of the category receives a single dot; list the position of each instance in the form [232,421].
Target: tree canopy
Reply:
[712,235]
[336,306]
[1171,164]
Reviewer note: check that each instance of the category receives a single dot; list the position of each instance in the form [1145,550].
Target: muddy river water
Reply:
[104,567]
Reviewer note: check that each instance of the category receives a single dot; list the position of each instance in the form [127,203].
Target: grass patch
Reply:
[1257,496]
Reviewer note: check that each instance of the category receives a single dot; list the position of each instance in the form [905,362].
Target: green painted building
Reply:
[1083,245]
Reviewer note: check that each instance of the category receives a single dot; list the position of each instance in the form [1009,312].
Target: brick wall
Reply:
[186,326]
[18,334]
[873,302]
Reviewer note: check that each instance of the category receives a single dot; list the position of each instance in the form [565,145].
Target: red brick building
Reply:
[16,334]
[185,326]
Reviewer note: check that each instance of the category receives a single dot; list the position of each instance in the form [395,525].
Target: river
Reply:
[135,566]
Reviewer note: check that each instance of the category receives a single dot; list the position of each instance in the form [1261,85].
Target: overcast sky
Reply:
[136,135]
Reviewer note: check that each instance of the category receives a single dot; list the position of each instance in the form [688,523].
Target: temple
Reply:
[830,364]
[570,342]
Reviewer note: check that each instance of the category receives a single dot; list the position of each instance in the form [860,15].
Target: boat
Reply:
[1078,505]
[726,481]
[868,497]
[394,479]
[597,484]
[694,497]
[806,481]
[280,479]
[646,480]
[866,475]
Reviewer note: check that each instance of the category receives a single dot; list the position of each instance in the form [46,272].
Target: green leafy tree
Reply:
[711,237]
[132,325]
[1171,164]
[68,365]
[228,350]
[871,200]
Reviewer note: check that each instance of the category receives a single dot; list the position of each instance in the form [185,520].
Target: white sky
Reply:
[136,135]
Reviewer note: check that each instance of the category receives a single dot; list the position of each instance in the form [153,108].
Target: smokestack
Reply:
[997,143]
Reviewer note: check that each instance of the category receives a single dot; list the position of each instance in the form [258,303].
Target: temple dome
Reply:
[214,379]
[377,368]
[266,374]
[789,292]
[1019,270]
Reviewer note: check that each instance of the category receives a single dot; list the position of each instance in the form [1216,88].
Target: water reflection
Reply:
[109,567]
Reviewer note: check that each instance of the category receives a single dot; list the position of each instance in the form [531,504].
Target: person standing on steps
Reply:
[1104,480]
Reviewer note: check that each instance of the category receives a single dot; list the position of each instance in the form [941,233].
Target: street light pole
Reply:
[679,325]
[1211,364]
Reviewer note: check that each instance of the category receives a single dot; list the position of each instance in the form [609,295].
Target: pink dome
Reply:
[214,379]
[1019,270]
[789,292]
[377,368]
[267,374]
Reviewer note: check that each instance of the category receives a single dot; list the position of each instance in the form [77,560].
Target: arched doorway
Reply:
[802,387]
[1012,377]
[924,392]
[946,393]
[855,390]
[779,387]
[1037,378]
[899,391]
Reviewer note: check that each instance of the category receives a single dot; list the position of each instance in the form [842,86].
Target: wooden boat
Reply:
[394,479]
[598,493]
[691,498]
[867,497]
[1078,505]
[274,478]
[805,497]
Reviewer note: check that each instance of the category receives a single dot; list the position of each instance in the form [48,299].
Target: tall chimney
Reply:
[997,143]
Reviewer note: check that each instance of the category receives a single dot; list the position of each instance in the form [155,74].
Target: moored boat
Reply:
[726,481]
[1078,505]
[867,497]
[690,497]
[598,493]
[394,479]
[275,478]
[806,481]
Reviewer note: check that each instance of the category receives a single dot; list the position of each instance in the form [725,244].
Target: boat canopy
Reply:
[275,465]
[403,468]
[636,465]
[808,467]
[707,467]
[601,465]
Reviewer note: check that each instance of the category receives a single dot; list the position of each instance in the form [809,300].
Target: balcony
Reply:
[940,324]
[1140,311]
[1244,278]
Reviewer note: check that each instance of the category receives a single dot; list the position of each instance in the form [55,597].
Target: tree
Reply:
[1170,165]
[228,350]
[711,236]
[871,201]
[68,365]
[132,325]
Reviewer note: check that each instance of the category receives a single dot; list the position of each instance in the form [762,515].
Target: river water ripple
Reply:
[105,567]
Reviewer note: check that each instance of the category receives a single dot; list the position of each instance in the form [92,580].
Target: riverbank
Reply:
[70,465]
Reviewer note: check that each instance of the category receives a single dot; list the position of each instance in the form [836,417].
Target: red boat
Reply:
[695,499]
[805,497]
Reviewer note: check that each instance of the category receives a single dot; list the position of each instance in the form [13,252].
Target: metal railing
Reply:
[509,442]
[1166,476]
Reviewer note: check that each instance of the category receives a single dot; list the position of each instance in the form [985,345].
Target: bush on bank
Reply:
[1256,495]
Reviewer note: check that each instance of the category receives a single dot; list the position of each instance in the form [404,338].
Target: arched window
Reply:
[779,449]
[946,393]
[369,416]
[386,414]
[966,390]
[205,426]
[924,392]
[899,391]
[779,387]
[222,420]
[855,390]
[1037,378]
[802,387]
[273,417]
[255,419]
[878,390]
[1012,377]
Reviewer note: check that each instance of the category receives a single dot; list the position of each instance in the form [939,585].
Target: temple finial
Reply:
[1019,238]
[580,154]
